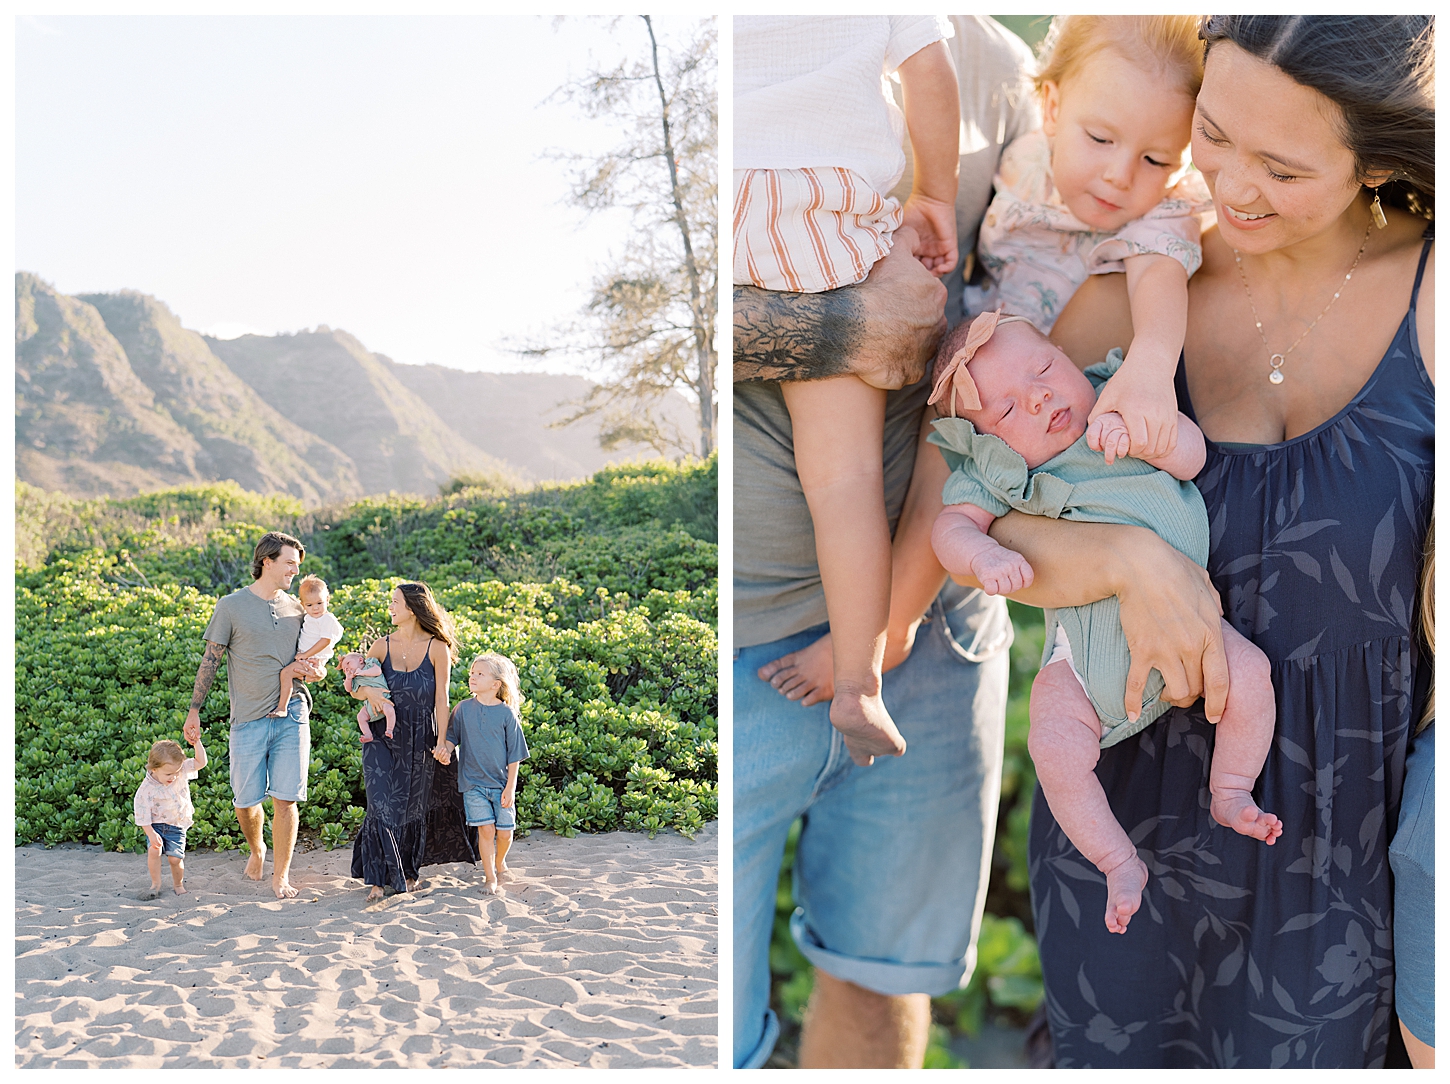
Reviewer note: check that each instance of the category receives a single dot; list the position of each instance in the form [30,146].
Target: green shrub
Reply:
[616,646]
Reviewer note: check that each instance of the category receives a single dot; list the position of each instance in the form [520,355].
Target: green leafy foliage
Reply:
[616,649]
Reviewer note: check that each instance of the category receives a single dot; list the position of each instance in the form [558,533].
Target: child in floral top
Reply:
[164,811]
[1106,186]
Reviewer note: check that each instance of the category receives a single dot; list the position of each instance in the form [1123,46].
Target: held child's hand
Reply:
[1148,410]
[935,223]
[1107,434]
[1001,571]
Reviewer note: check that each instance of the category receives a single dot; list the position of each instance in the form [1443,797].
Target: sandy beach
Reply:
[602,954]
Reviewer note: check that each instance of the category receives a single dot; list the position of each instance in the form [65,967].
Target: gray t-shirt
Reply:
[260,636]
[489,738]
[777,587]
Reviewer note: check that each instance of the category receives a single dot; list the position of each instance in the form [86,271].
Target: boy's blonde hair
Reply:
[506,672]
[163,753]
[1160,43]
[313,583]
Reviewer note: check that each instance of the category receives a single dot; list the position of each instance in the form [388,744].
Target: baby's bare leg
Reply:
[380,704]
[837,426]
[1241,742]
[362,724]
[290,671]
[178,871]
[1063,740]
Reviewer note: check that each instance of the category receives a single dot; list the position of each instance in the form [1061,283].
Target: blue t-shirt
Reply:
[489,738]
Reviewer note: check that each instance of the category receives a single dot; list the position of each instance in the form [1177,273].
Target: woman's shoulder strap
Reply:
[1429,236]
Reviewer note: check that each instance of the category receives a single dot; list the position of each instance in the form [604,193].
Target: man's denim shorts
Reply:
[484,805]
[269,757]
[173,840]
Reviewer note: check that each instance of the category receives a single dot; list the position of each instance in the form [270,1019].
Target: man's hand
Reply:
[191,729]
[884,330]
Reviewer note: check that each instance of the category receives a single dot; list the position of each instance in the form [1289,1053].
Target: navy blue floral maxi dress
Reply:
[410,796]
[1244,955]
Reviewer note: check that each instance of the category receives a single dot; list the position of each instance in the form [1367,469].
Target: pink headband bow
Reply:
[955,371]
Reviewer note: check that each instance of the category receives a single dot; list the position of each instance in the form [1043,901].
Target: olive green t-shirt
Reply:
[260,636]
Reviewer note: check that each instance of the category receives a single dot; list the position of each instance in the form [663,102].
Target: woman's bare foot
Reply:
[866,725]
[493,888]
[1126,881]
[412,886]
[256,862]
[1236,809]
[375,893]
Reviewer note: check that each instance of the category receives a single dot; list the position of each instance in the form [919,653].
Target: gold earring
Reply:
[1377,212]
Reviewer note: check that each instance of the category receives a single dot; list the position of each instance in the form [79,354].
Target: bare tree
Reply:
[649,325]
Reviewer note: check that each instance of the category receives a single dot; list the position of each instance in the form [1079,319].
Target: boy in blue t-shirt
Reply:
[490,741]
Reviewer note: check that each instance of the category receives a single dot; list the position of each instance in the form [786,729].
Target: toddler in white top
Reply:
[1105,186]
[818,145]
[163,809]
[320,634]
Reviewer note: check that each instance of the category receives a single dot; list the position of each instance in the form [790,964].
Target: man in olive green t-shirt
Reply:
[255,630]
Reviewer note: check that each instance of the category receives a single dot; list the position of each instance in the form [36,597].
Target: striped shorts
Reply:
[808,230]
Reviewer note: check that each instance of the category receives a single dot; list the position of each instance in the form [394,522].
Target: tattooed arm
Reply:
[883,330]
[205,675]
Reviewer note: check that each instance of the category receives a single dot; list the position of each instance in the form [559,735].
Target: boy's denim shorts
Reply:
[484,805]
[173,840]
[269,757]
[891,865]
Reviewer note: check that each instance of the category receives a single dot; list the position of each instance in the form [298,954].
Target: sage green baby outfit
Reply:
[1078,484]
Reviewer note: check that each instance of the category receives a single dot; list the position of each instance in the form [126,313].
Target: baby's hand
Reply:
[153,841]
[1108,434]
[1148,414]
[1001,571]
[935,224]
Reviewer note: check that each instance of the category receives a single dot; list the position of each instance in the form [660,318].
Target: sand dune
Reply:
[603,954]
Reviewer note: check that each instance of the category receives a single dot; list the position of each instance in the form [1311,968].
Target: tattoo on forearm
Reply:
[780,336]
[206,674]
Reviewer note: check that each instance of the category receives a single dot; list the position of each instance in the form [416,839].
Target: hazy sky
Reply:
[272,173]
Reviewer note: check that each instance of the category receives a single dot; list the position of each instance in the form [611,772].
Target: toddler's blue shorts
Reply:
[173,840]
[484,805]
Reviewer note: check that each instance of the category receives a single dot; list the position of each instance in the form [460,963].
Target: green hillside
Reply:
[603,592]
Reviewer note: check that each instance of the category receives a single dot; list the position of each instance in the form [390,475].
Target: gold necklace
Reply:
[1276,361]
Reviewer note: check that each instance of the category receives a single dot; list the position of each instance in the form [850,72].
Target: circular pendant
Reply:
[1276,377]
[1275,361]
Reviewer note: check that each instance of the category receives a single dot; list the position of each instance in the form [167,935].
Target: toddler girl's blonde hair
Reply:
[313,584]
[163,753]
[506,672]
[1161,43]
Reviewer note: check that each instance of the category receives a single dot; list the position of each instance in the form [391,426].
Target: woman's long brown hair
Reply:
[432,618]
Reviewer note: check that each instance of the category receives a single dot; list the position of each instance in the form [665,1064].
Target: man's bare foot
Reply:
[282,888]
[1125,893]
[1235,809]
[180,890]
[152,893]
[255,862]
[866,725]
[375,893]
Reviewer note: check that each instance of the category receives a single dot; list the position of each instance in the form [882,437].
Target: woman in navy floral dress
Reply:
[1319,486]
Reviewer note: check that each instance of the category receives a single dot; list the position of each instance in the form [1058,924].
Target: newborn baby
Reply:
[1023,441]
[365,681]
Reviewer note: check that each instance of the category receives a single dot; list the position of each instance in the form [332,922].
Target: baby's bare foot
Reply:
[866,725]
[255,863]
[152,893]
[1236,809]
[180,890]
[1125,893]
[365,737]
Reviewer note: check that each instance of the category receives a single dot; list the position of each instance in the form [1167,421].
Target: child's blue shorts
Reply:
[484,805]
[173,840]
